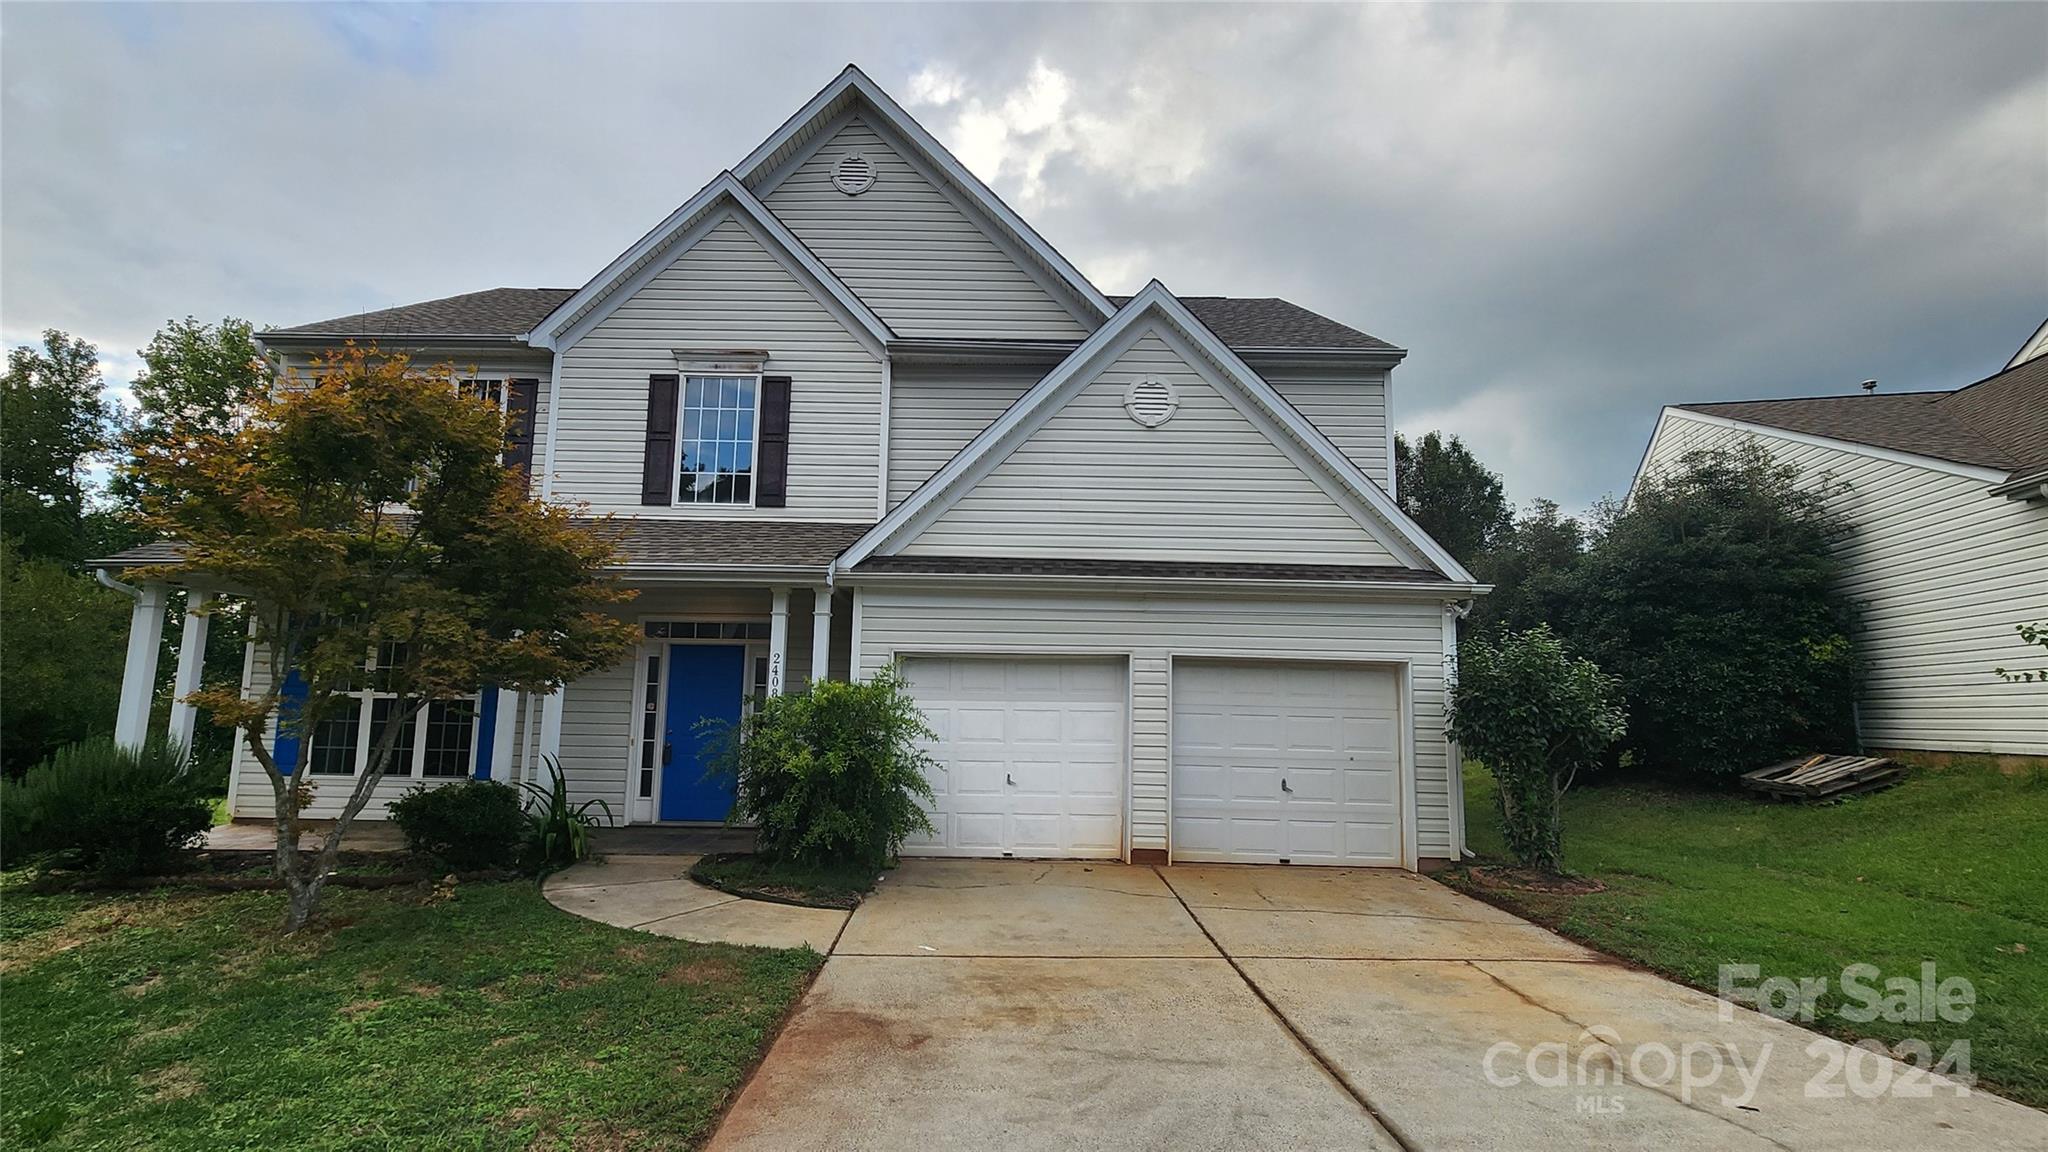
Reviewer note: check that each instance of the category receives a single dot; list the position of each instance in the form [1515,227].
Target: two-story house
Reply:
[1137,557]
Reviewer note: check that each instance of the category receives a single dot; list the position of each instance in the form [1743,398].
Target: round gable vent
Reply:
[854,174]
[1151,402]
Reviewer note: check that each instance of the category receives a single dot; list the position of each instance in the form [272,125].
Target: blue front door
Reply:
[705,682]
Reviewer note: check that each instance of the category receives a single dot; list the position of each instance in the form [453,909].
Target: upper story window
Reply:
[719,437]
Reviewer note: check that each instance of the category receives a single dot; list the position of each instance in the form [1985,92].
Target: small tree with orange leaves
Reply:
[364,514]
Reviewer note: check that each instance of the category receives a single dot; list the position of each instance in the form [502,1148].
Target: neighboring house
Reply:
[1138,557]
[1948,494]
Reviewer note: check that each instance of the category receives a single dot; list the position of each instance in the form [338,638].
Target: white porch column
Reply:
[138,676]
[191,666]
[550,739]
[821,635]
[503,755]
[778,639]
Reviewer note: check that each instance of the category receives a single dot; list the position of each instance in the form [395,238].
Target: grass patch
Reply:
[813,886]
[475,1016]
[1946,867]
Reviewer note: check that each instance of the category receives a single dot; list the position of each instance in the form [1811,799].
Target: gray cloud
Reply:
[1571,215]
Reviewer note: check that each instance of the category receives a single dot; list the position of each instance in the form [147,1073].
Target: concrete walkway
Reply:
[1034,1005]
[653,893]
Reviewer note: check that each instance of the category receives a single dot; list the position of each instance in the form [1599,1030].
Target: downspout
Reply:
[106,581]
[1455,611]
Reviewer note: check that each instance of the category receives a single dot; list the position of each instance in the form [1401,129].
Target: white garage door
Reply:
[1286,763]
[1030,756]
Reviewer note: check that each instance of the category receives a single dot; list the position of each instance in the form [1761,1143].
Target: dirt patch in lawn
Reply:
[1531,880]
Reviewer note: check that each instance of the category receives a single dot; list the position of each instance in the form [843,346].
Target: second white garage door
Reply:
[1295,763]
[1030,756]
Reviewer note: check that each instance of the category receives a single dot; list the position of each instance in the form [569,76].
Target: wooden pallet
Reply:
[1824,777]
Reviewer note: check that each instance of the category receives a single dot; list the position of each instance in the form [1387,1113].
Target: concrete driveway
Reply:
[1023,1005]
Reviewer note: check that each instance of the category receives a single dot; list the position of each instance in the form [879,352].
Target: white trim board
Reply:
[682,229]
[1893,455]
[1368,503]
[828,104]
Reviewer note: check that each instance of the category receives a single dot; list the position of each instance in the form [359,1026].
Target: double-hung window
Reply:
[438,742]
[718,439]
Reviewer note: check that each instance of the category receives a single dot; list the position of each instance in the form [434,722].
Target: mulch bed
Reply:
[1530,880]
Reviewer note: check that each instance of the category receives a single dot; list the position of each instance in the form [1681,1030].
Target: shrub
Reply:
[98,806]
[1715,597]
[558,830]
[832,775]
[1536,717]
[473,825]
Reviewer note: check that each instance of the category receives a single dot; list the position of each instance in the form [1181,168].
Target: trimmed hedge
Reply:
[473,825]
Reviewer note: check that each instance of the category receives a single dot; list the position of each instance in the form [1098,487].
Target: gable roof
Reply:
[853,86]
[1247,325]
[1253,323]
[609,288]
[2036,345]
[1400,534]
[2000,422]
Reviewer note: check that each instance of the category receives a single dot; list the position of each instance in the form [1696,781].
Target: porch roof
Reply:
[651,545]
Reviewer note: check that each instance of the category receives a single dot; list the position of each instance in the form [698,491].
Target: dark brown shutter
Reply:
[771,486]
[520,399]
[658,467]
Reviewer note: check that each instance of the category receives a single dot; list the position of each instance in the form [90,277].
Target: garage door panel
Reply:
[1330,731]
[1037,751]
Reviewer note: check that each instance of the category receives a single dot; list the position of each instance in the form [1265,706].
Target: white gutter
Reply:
[106,581]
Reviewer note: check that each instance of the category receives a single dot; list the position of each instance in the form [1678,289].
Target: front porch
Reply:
[636,738]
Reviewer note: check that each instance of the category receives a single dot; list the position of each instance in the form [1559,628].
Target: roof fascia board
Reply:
[2020,357]
[1269,422]
[994,442]
[773,236]
[1919,460]
[1378,589]
[964,462]
[1310,437]
[944,161]
[544,333]
[1042,273]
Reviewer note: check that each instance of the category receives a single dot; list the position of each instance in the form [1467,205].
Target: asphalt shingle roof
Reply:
[493,312]
[1999,422]
[1263,322]
[1270,322]
[648,543]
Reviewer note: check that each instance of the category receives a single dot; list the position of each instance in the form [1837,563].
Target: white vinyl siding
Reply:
[910,252]
[726,291]
[1944,571]
[1149,631]
[1349,408]
[934,412]
[1209,484]
[597,721]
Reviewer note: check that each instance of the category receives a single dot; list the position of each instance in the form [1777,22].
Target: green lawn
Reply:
[1950,866]
[476,1017]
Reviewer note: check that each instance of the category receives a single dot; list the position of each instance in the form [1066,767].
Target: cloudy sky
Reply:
[1569,214]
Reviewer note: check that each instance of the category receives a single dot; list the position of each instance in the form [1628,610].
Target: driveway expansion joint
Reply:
[1328,1066]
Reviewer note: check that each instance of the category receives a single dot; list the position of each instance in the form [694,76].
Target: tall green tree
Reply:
[53,422]
[379,542]
[61,643]
[1715,596]
[1533,566]
[197,379]
[1455,498]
